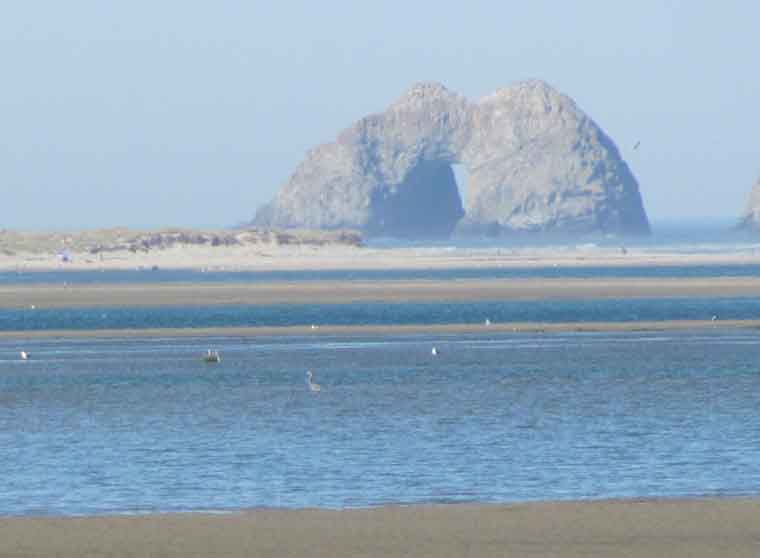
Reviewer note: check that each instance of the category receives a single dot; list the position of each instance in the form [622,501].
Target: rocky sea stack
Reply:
[751,218]
[535,163]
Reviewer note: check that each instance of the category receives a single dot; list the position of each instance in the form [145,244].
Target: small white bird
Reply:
[313,386]
[434,351]
[24,355]
[488,322]
[713,318]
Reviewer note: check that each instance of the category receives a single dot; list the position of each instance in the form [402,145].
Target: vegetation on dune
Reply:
[123,239]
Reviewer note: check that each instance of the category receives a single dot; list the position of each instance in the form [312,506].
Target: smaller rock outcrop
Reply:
[751,218]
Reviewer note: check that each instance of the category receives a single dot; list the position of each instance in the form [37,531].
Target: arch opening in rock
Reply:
[462,177]
[426,204]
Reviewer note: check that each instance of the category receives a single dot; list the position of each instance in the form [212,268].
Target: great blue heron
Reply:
[313,386]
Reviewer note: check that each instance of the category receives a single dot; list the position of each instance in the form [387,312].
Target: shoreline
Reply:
[500,328]
[274,257]
[346,291]
[698,528]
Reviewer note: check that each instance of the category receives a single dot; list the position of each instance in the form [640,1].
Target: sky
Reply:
[190,113]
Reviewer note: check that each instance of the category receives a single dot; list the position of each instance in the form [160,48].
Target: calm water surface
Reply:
[195,276]
[579,310]
[133,425]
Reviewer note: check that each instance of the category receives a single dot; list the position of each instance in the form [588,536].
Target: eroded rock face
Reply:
[535,162]
[751,217]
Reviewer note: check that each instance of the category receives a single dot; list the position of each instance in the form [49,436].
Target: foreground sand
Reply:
[631,529]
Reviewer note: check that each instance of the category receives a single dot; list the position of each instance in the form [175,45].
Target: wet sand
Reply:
[631,529]
[385,330]
[37,297]
[166,294]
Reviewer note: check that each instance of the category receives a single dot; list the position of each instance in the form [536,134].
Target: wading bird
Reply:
[313,386]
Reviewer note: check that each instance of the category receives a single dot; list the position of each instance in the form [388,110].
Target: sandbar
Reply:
[494,328]
[699,528]
[330,291]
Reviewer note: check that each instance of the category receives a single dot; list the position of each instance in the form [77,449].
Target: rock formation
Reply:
[751,217]
[535,163]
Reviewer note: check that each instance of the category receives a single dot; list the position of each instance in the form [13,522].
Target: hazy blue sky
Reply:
[178,112]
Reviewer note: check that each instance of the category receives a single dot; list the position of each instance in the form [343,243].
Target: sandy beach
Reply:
[38,252]
[631,529]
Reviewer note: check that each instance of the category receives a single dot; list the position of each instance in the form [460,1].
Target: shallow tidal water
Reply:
[94,277]
[382,313]
[92,426]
